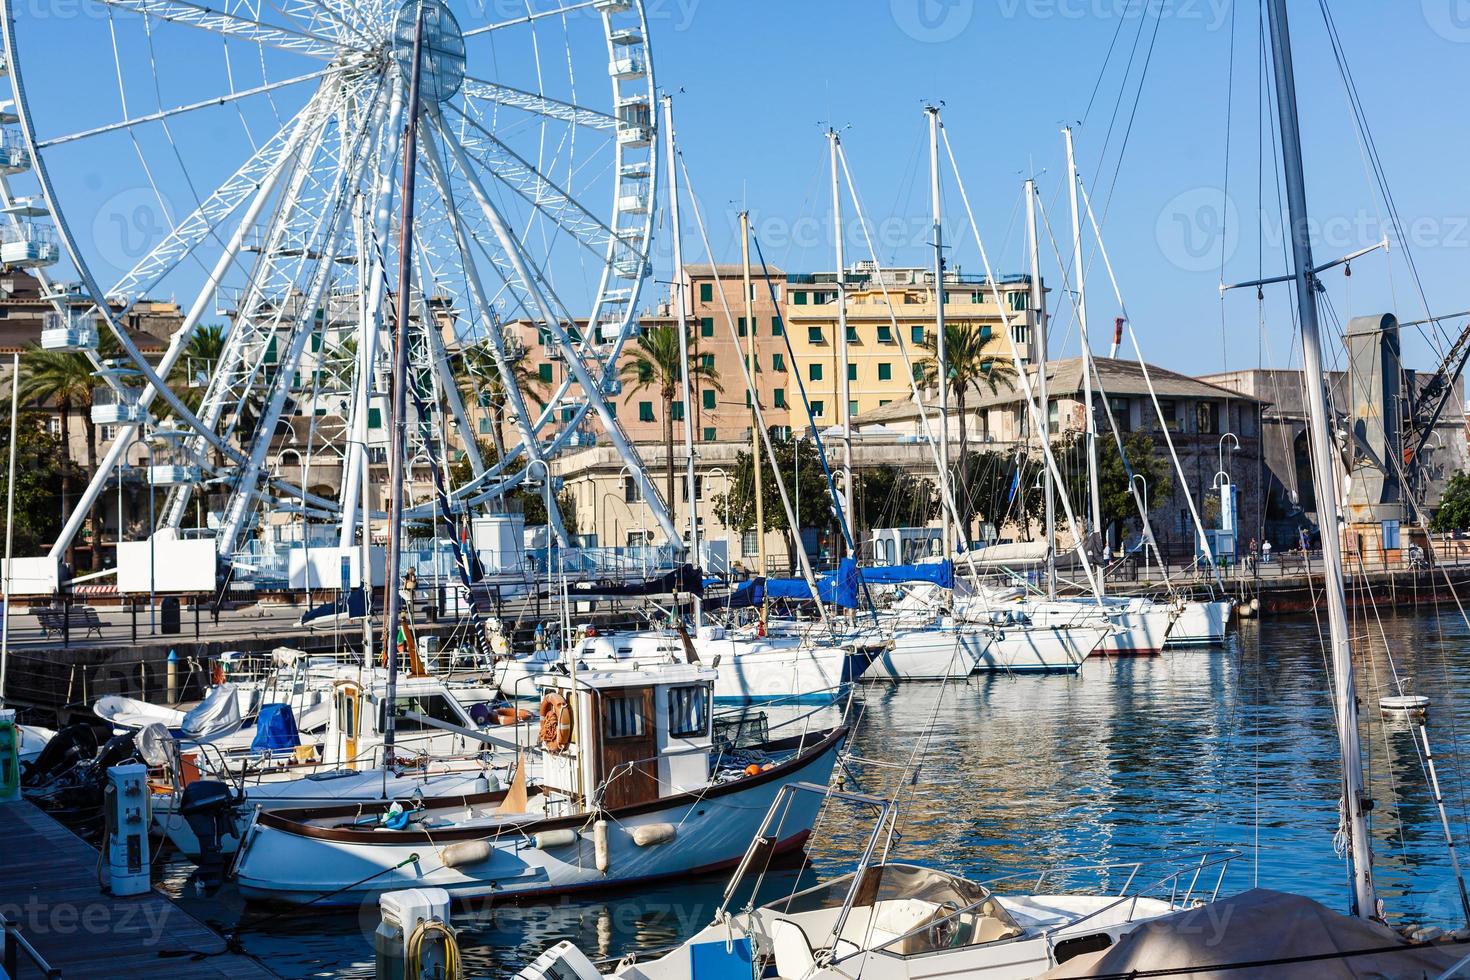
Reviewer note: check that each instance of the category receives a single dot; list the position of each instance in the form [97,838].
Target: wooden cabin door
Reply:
[629,747]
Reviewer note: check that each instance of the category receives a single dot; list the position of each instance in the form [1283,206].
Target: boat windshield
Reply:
[886,883]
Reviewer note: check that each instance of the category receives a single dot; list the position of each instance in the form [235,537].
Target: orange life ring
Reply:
[556,722]
[217,675]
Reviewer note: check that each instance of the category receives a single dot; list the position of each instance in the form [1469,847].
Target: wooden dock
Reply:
[48,888]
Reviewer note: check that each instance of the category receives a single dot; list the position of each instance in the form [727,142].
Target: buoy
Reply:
[466,852]
[599,845]
[554,838]
[753,769]
[650,834]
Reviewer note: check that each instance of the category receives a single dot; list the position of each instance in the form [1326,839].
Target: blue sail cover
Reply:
[941,573]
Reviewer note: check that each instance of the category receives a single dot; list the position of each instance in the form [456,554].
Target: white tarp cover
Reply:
[1258,927]
[217,714]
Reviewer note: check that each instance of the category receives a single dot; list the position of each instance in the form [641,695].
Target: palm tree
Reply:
[201,357]
[479,379]
[658,363]
[970,362]
[65,380]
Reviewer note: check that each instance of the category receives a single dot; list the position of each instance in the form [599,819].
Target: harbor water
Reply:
[1199,749]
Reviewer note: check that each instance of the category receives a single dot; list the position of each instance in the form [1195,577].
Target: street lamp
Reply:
[1146,535]
[1234,447]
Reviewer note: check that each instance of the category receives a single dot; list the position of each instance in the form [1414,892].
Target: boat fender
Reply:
[466,852]
[651,834]
[554,838]
[599,845]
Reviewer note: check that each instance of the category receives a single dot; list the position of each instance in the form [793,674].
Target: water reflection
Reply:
[1129,760]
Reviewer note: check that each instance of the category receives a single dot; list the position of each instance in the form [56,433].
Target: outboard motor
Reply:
[69,748]
[208,806]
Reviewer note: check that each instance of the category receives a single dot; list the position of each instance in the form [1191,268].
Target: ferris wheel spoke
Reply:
[165,114]
[529,18]
[540,105]
[232,25]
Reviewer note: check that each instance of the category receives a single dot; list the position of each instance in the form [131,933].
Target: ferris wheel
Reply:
[246,157]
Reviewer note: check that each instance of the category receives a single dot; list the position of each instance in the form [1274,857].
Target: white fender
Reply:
[599,845]
[465,852]
[654,833]
[555,838]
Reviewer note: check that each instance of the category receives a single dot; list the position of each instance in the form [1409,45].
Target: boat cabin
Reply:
[359,716]
[636,735]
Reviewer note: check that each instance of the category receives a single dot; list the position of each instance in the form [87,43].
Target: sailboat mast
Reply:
[398,451]
[682,324]
[1324,481]
[1080,276]
[1038,304]
[844,401]
[942,367]
[756,485]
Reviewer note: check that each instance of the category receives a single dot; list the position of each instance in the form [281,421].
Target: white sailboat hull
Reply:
[1042,649]
[930,655]
[711,830]
[1202,624]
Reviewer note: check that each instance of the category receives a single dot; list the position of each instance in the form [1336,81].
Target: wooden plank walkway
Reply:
[48,887]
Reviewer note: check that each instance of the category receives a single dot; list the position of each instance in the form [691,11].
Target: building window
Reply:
[706,292]
[916,334]
[1122,412]
[709,399]
[852,372]
[708,360]
[819,409]
[798,299]
[1053,417]
[1207,418]
[678,411]
[776,328]
[778,397]
[630,490]
[885,371]
[778,362]
[852,337]
[984,331]
[884,401]
[375,418]
[814,335]
[706,326]
[698,489]
[543,372]
[748,546]
[688,711]
[709,434]
[885,334]
[747,398]
[645,411]
[1170,412]
[814,372]
[852,408]
[740,326]
[566,414]
[919,373]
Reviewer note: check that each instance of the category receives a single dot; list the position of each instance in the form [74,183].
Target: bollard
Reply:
[173,675]
[9,756]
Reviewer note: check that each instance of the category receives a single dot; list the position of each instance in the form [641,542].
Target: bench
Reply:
[54,621]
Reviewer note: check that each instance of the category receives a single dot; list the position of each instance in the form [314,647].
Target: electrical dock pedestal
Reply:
[51,897]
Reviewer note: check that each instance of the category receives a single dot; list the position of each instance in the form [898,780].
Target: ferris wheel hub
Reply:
[443,58]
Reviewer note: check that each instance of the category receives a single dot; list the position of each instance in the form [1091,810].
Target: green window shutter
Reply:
[814,372]
[566,414]
[740,326]
[747,398]
[316,342]
[778,395]
[778,361]
[678,411]
[544,373]
[798,299]
[776,328]
[852,408]
[706,292]
[818,409]
[375,418]
[484,427]
[706,326]
[270,351]
[708,360]
[612,409]
[885,334]
[852,335]
[814,335]
[645,411]
[852,372]
[918,372]
[709,399]
[916,334]
[885,371]
[709,434]
[985,331]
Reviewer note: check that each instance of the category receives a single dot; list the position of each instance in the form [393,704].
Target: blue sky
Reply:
[761,79]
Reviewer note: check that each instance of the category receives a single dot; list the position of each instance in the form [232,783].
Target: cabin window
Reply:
[347,715]
[688,711]
[434,706]
[622,717]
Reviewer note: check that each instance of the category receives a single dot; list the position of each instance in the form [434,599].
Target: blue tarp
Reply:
[941,573]
[840,588]
[275,729]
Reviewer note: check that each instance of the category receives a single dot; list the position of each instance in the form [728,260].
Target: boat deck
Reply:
[48,888]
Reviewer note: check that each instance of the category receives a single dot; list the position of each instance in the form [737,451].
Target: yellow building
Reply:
[890,315]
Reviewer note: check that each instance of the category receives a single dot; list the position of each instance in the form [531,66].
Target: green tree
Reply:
[1114,493]
[973,362]
[1454,506]
[39,467]
[737,505]
[478,376]
[891,496]
[658,363]
[530,501]
[65,380]
[198,362]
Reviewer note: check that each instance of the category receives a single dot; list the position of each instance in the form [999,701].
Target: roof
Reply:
[728,269]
